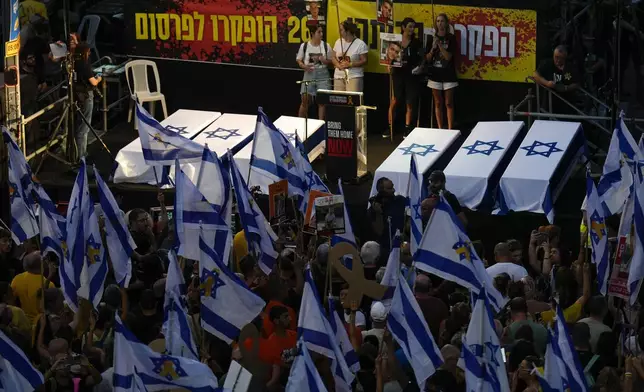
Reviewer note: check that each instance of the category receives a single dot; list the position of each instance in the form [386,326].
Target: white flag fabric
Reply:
[77,235]
[119,241]
[408,326]
[574,372]
[194,216]
[95,267]
[617,179]
[213,182]
[161,146]
[446,251]
[136,363]
[16,371]
[636,266]
[342,337]
[392,270]
[598,234]
[53,226]
[176,328]
[481,357]
[227,304]
[552,379]
[258,232]
[23,216]
[274,158]
[314,328]
[304,376]
[414,197]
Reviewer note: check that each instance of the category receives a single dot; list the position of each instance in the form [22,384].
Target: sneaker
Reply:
[386,134]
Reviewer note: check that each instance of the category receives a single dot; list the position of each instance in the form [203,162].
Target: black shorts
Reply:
[406,87]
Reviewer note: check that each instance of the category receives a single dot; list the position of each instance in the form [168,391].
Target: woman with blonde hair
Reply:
[442,77]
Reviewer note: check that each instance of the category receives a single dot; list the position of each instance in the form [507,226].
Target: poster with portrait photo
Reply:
[385,11]
[329,214]
[277,198]
[391,49]
[315,12]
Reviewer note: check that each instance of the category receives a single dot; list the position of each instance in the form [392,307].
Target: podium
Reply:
[346,135]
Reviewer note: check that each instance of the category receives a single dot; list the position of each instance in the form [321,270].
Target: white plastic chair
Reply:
[90,23]
[140,89]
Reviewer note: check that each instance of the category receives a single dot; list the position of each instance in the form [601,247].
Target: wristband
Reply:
[628,374]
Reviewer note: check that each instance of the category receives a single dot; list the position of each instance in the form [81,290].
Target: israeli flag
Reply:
[16,371]
[315,330]
[161,146]
[23,217]
[176,329]
[274,158]
[227,304]
[52,226]
[95,268]
[636,266]
[120,243]
[213,181]
[77,235]
[156,372]
[598,233]
[481,357]
[259,234]
[342,338]
[392,270]
[304,376]
[414,199]
[446,251]
[194,216]
[408,326]
[617,180]
[313,181]
[348,236]
[574,372]
[552,379]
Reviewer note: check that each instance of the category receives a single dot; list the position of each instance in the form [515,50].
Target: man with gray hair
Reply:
[370,253]
[558,74]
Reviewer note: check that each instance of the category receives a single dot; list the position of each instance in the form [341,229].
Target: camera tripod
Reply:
[71,108]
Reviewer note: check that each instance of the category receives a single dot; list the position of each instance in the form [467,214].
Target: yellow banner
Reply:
[12,48]
[493,43]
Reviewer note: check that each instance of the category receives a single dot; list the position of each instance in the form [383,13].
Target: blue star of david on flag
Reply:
[222,133]
[418,149]
[168,367]
[488,350]
[179,130]
[491,146]
[290,136]
[532,149]
[74,208]
[210,282]
[416,211]
[288,158]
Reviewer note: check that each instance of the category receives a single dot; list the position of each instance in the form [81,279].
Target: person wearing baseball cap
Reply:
[437,186]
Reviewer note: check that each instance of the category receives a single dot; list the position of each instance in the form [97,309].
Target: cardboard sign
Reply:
[315,13]
[618,282]
[329,213]
[309,216]
[385,12]
[277,198]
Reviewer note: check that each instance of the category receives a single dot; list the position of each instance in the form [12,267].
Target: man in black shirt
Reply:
[83,87]
[387,214]
[436,185]
[558,74]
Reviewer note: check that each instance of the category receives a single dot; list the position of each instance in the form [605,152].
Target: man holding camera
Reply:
[66,368]
[86,81]
[386,214]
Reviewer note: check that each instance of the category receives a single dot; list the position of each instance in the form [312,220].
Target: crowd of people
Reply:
[533,274]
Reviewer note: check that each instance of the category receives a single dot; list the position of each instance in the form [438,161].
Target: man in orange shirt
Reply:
[278,294]
[281,339]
